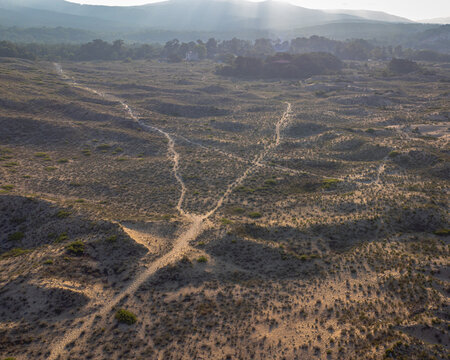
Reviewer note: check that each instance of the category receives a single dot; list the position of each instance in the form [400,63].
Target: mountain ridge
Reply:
[197,15]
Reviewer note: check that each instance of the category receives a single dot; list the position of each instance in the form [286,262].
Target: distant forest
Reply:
[175,50]
[283,65]
[223,51]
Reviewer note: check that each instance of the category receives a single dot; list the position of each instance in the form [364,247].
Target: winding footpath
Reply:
[181,245]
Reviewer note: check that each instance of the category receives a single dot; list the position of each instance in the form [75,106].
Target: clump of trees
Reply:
[283,65]
[224,51]
[93,50]
[402,66]
[9,49]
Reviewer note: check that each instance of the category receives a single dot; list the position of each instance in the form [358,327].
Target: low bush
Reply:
[125,317]
[104,147]
[237,210]
[442,232]
[15,252]
[330,183]
[255,215]
[62,237]
[225,221]
[76,248]
[394,153]
[17,236]
[62,214]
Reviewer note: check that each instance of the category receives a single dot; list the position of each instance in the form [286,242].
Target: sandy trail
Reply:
[246,161]
[282,123]
[179,249]
[380,171]
[170,139]
[181,244]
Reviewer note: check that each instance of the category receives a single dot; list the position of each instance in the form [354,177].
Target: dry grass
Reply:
[334,247]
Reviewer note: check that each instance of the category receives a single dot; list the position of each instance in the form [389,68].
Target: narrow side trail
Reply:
[181,244]
[170,139]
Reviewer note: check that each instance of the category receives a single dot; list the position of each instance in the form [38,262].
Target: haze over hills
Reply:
[441,20]
[60,21]
[196,15]
[372,15]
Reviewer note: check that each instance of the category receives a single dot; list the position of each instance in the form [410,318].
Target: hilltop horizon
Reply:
[414,12]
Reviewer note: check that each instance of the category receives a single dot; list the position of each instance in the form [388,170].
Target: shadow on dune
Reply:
[28,223]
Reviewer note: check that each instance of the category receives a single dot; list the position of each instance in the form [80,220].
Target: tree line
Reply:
[223,51]
[283,65]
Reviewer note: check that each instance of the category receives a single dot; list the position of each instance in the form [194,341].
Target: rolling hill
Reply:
[196,15]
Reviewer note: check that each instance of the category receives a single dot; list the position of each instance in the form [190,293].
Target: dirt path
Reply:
[180,247]
[170,139]
[380,171]
[282,123]
[181,244]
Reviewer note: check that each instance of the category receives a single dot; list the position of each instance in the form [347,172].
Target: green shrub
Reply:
[442,232]
[76,248]
[17,236]
[62,214]
[125,317]
[112,238]
[5,151]
[255,215]
[225,221]
[104,147]
[202,259]
[48,262]
[7,187]
[63,161]
[15,252]
[41,155]
[238,210]
[61,238]
[394,153]
[270,182]
[330,183]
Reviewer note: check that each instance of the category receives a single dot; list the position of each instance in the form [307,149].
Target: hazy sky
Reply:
[413,9]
